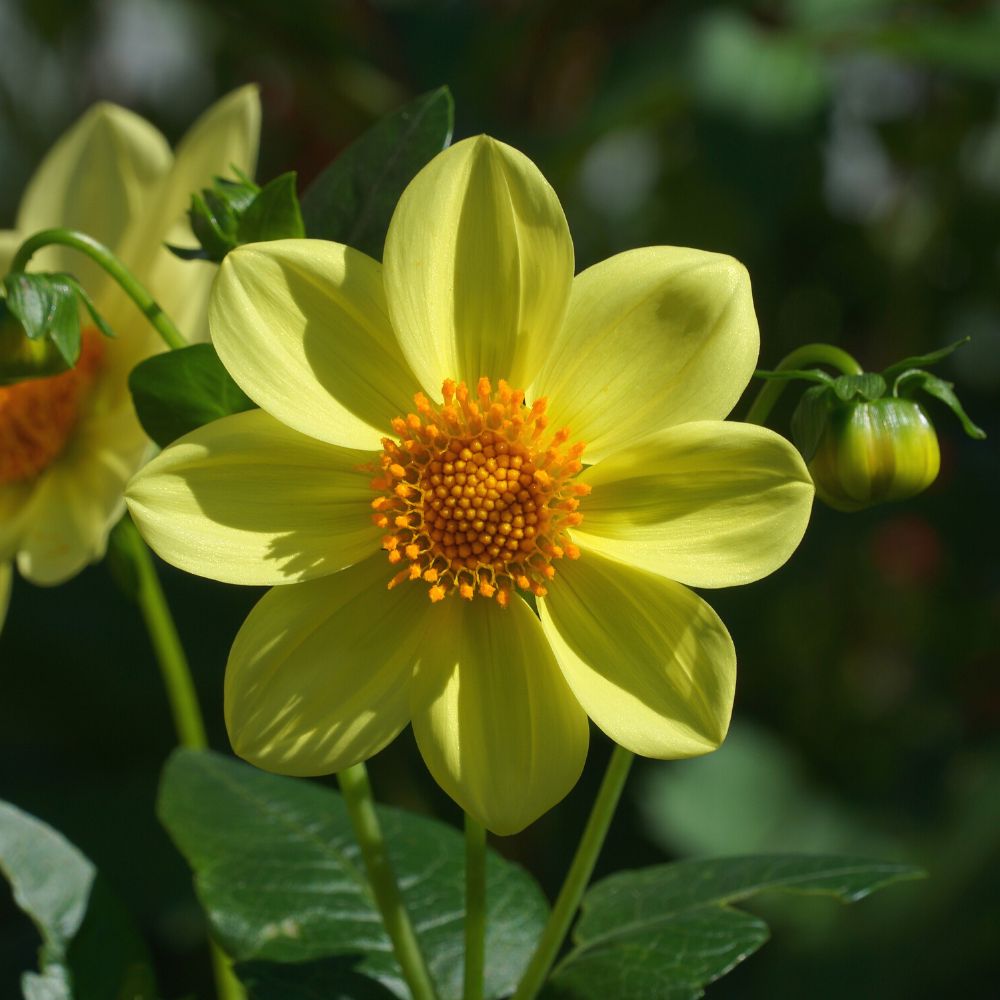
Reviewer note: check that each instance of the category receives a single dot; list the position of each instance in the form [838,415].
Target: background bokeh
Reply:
[848,151]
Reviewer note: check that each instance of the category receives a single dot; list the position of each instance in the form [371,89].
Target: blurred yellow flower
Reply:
[69,443]
[412,494]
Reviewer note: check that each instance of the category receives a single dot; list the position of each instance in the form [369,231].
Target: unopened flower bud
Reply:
[871,451]
[21,357]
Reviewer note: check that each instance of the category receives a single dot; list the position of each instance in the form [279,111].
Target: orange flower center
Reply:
[475,496]
[38,415]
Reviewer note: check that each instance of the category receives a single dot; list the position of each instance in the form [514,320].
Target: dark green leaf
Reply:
[868,386]
[922,360]
[668,931]
[46,306]
[334,978]
[353,199]
[939,389]
[282,880]
[180,390]
[274,214]
[807,375]
[90,951]
[810,418]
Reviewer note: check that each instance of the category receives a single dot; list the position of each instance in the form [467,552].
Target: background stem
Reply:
[475,908]
[573,888]
[802,357]
[102,256]
[357,792]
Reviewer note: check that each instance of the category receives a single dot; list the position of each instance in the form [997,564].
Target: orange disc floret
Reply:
[37,416]
[475,495]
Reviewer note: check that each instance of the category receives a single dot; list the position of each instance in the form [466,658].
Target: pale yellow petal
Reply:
[247,500]
[98,178]
[653,337]
[496,723]
[225,137]
[9,242]
[478,265]
[302,327]
[15,509]
[77,500]
[319,675]
[6,581]
[710,503]
[649,660]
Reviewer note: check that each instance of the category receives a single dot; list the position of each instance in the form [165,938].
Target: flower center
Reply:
[37,415]
[475,496]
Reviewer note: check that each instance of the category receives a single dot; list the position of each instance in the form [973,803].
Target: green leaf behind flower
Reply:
[669,930]
[282,880]
[353,199]
[90,950]
[178,391]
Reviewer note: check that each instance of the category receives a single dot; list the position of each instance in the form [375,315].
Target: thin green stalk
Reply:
[475,908]
[802,357]
[102,256]
[357,792]
[181,694]
[582,867]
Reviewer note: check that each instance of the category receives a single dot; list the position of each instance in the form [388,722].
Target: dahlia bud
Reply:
[871,451]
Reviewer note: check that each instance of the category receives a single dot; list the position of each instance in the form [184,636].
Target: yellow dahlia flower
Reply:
[459,428]
[69,443]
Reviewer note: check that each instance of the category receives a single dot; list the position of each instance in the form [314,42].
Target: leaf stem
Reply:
[801,357]
[102,256]
[357,792]
[475,908]
[181,694]
[582,867]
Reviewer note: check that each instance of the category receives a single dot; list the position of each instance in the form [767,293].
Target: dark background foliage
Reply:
[848,151]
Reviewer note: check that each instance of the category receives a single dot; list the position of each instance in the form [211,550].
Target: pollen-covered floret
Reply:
[476,496]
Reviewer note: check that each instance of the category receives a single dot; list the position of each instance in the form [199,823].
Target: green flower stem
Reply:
[582,867]
[802,357]
[357,792]
[102,256]
[181,693]
[475,908]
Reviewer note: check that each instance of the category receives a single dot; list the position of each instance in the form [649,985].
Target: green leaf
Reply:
[90,950]
[353,199]
[810,418]
[922,360]
[274,214]
[282,880]
[668,931]
[88,303]
[180,390]
[334,978]
[941,390]
[46,306]
[869,386]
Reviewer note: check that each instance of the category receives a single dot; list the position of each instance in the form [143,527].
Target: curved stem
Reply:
[181,694]
[582,867]
[801,357]
[357,792]
[475,908]
[102,256]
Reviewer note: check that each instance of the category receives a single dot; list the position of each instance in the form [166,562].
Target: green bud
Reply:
[871,451]
[21,357]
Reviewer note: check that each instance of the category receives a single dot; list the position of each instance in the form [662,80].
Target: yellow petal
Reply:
[98,177]
[247,500]
[710,503]
[649,660]
[225,137]
[319,675]
[496,724]
[653,337]
[6,579]
[478,264]
[302,327]
[15,508]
